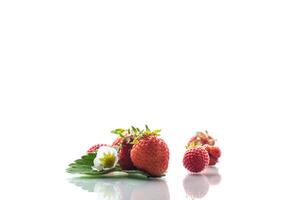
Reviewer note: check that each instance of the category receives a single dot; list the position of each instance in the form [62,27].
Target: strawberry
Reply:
[142,149]
[213,152]
[95,147]
[150,153]
[196,159]
[124,156]
[200,139]
[208,142]
[123,142]
[213,160]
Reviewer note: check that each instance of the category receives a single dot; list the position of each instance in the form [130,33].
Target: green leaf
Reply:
[85,163]
[137,172]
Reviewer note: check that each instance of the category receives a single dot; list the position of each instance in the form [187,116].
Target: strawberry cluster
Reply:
[140,150]
[201,152]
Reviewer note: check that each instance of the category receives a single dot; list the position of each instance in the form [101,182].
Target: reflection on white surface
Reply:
[212,175]
[122,188]
[196,186]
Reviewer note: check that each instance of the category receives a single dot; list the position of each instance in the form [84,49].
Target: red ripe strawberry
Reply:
[151,154]
[125,146]
[213,152]
[200,139]
[212,160]
[196,159]
[124,156]
[95,147]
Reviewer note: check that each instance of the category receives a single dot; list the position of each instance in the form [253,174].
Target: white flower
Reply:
[106,158]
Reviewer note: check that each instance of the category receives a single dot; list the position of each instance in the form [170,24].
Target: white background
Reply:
[71,71]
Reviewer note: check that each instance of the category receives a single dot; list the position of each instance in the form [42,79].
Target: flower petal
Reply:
[106,153]
[97,164]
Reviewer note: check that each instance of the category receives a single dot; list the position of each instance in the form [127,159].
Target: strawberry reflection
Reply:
[212,175]
[196,186]
[124,189]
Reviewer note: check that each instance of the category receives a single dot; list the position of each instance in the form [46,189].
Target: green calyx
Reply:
[138,134]
[119,131]
[134,134]
[194,144]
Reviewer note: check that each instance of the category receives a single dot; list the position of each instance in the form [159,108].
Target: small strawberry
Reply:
[149,152]
[196,159]
[213,160]
[213,152]
[200,139]
[123,142]
[124,156]
[95,147]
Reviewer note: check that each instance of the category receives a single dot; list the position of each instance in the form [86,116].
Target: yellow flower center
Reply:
[108,160]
